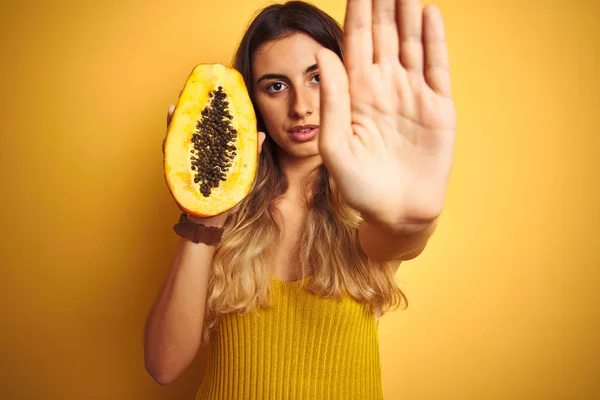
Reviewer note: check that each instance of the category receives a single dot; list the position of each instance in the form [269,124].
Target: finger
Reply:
[358,41]
[410,16]
[163,146]
[385,32]
[170,114]
[437,65]
[261,140]
[335,128]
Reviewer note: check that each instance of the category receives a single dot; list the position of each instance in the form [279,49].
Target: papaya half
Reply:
[211,145]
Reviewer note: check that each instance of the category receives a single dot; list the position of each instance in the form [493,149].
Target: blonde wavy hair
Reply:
[328,249]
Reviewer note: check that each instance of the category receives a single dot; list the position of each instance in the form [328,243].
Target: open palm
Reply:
[388,121]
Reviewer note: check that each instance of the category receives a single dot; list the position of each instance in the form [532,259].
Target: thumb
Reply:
[170,114]
[169,118]
[261,140]
[335,119]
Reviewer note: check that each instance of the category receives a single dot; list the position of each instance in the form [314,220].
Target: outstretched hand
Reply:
[388,121]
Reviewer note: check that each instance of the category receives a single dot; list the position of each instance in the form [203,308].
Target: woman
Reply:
[360,129]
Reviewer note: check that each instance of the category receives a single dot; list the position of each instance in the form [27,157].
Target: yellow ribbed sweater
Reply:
[305,347]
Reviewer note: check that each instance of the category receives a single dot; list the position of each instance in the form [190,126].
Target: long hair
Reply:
[328,247]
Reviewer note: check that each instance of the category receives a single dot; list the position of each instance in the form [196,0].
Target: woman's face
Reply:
[286,92]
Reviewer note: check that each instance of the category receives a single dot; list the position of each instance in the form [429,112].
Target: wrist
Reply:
[398,226]
[217,221]
[200,230]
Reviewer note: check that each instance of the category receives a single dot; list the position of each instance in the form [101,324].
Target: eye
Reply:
[275,87]
[318,78]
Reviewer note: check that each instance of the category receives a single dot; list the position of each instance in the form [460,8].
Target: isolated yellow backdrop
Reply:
[503,302]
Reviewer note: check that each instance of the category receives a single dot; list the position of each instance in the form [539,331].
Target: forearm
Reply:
[384,241]
[174,326]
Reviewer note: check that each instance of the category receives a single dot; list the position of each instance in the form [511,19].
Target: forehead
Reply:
[288,55]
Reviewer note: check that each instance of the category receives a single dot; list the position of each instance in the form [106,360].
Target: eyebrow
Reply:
[308,70]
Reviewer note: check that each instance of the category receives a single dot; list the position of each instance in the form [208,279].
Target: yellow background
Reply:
[504,302]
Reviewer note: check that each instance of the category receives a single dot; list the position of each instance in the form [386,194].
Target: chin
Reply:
[301,150]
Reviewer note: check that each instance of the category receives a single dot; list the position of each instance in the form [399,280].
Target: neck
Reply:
[295,171]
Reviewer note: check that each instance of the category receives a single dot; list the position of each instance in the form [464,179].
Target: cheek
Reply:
[271,111]
[316,97]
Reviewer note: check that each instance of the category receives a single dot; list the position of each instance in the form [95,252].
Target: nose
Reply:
[302,103]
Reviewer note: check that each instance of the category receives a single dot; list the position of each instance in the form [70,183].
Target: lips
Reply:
[303,133]
[302,129]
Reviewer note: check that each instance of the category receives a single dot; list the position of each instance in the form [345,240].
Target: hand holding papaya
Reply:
[208,146]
